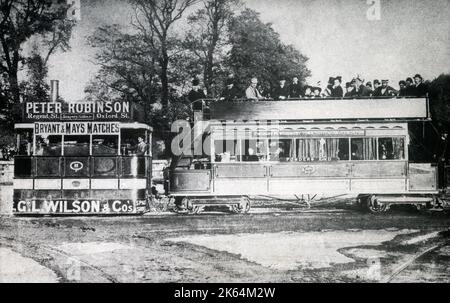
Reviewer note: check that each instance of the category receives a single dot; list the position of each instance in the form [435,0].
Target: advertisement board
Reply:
[82,206]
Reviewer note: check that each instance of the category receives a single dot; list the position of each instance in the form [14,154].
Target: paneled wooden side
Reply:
[191,180]
[241,170]
[422,176]
[308,170]
[379,169]
[290,186]
[402,108]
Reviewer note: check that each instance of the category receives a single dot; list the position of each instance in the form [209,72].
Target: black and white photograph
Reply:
[205,143]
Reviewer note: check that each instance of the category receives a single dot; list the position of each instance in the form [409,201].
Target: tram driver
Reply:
[141,148]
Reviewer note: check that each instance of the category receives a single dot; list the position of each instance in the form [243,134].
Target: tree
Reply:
[36,88]
[20,20]
[207,38]
[154,20]
[256,51]
[128,66]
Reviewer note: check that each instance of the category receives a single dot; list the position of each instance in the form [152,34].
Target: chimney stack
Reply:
[54,90]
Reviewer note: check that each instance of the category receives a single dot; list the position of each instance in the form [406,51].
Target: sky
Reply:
[338,37]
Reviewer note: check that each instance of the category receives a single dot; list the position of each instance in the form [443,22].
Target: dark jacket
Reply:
[337,92]
[280,92]
[403,92]
[230,94]
[420,90]
[388,92]
[194,96]
[295,90]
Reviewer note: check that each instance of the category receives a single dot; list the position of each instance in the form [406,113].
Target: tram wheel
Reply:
[374,206]
[243,207]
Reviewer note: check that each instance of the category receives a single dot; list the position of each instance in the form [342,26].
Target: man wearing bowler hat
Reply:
[419,88]
[195,95]
[230,92]
[384,90]
[295,89]
[281,91]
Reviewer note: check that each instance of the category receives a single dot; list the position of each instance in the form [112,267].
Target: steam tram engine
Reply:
[81,159]
[358,147]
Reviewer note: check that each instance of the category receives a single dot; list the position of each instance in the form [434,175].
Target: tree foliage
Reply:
[21,21]
[154,20]
[257,51]
[207,39]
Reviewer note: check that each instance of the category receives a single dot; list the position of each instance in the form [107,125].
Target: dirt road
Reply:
[335,243]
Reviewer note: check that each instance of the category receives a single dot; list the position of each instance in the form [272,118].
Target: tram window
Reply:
[337,149]
[105,145]
[363,149]
[76,145]
[25,147]
[391,148]
[48,145]
[329,149]
[130,144]
[254,150]
[226,150]
[281,150]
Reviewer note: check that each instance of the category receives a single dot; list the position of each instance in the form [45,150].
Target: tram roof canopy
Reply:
[322,109]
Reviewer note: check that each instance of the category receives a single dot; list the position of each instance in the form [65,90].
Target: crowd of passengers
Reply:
[357,87]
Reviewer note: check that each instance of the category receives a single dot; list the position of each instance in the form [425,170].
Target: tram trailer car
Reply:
[82,159]
[308,147]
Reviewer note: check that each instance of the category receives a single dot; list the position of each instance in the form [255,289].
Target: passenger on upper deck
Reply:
[295,89]
[281,92]
[409,86]
[230,92]
[316,92]
[196,94]
[336,89]
[252,92]
[361,89]
[369,87]
[384,90]
[348,89]
[419,88]
[403,89]
[376,84]
[308,92]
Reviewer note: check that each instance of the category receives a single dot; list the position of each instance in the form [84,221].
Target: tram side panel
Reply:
[81,185]
[389,177]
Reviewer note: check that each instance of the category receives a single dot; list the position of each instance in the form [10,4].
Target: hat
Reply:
[402,82]
[338,78]
[348,84]
[418,76]
[409,79]
[195,82]
[384,81]
[376,81]
[369,83]
[353,80]
[331,80]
